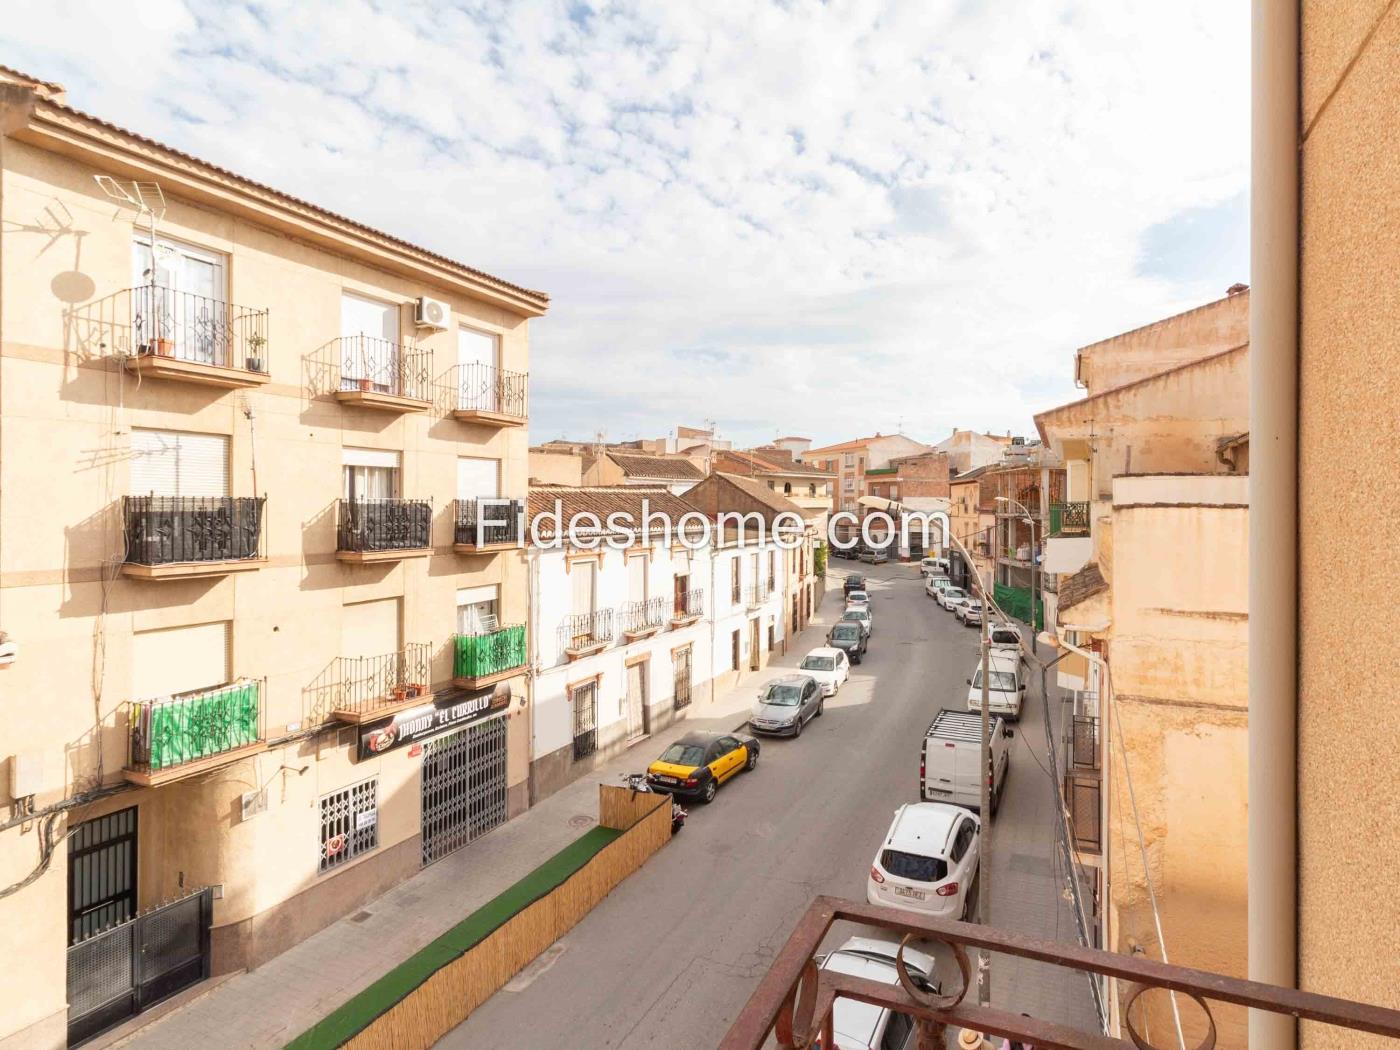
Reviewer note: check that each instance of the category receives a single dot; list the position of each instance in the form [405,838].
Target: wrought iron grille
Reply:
[188,726]
[681,661]
[1082,799]
[380,366]
[486,388]
[368,682]
[1084,742]
[1069,519]
[189,327]
[585,699]
[383,524]
[643,616]
[585,629]
[349,823]
[689,604]
[486,522]
[464,787]
[101,873]
[170,530]
[479,655]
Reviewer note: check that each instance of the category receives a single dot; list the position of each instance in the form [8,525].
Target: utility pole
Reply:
[984,863]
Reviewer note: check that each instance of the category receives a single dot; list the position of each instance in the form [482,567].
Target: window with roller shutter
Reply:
[178,463]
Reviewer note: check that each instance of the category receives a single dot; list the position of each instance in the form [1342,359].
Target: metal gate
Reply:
[464,787]
[101,873]
[585,720]
[682,667]
[637,721]
[120,971]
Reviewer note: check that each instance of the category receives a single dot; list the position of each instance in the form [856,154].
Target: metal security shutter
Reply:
[179,659]
[478,478]
[370,628]
[175,463]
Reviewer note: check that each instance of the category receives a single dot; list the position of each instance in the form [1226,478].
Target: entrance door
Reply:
[464,787]
[369,349]
[101,874]
[183,299]
[753,646]
[637,722]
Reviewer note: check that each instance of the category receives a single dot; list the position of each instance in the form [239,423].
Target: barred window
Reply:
[349,823]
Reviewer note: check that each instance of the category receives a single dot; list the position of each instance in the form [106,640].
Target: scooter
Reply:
[638,782]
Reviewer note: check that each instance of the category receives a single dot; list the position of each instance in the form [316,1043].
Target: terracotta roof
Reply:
[842,447]
[749,462]
[775,501]
[18,74]
[1082,586]
[281,197]
[670,468]
[632,500]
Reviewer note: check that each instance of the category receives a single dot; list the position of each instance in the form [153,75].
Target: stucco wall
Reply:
[1349,511]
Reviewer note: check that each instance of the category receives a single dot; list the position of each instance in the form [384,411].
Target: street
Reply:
[671,956]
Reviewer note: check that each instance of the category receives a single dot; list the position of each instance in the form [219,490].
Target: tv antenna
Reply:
[145,198]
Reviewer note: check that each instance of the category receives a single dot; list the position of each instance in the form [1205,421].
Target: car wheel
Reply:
[821,706]
[711,786]
[798,731]
[752,763]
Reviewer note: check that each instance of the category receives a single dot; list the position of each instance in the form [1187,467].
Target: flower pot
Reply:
[366,385]
[164,347]
[401,692]
[254,364]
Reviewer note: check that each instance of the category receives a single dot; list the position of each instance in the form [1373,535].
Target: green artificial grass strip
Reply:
[356,1014]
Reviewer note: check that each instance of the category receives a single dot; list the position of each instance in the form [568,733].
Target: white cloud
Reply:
[739,209]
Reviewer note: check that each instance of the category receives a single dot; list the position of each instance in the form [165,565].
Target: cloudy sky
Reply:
[796,217]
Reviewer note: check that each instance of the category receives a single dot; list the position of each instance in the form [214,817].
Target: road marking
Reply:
[536,969]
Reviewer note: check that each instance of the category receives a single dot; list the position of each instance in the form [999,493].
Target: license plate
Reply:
[913,895]
[666,780]
[940,791]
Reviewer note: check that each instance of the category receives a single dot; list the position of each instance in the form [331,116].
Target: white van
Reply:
[951,755]
[1006,686]
[934,567]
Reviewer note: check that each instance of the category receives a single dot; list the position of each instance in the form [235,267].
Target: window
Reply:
[734,651]
[681,664]
[734,579]
[349,823]
[787,487]
[370,628]
[811,490]
[637,578]
[961,841]
[894,491]
[179,659]
[369,332]
[584,697]
[478,478]
[896,1035]
[369,473]
[913,866]
[176,463]
[185,300]
[772,571]
[584,577]
[849,461]
[770,636]
[478,610]
[478,358]
[682,586]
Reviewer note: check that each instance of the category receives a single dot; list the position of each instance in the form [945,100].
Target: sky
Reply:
[825,219]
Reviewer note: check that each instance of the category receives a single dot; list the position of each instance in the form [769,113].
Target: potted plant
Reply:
[366,383]
[256,342]
[401,692]
[164,347]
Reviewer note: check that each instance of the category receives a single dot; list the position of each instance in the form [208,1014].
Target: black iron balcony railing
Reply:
[794,1000]
[641,617]
[488,522]
[195,328]
[366,683]
[379,366]
[173,530]
[1069,519]
[365,525]
[586,630]
[486,388]
[689,605]
[176,730]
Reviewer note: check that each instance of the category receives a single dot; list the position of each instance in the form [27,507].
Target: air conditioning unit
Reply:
[432,313]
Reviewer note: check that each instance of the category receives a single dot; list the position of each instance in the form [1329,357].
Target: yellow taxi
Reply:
[698,763]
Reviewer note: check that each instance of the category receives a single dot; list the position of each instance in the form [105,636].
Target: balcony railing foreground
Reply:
[197,329]
[479,523]
[795,999]
[644,617]
[369,365]
[689,605]
[584,632]
[485,390]
[176,730]
[477,656]
[367,685]
[364,526]
[175,530]
[1069,519]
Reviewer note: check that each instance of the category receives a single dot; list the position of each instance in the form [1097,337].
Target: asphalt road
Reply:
[671,956]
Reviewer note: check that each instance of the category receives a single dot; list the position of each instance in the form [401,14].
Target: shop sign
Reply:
[417,724]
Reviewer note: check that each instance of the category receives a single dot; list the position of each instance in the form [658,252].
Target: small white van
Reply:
[951,755]
[1006,686]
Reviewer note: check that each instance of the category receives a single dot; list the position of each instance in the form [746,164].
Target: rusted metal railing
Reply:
[795,999]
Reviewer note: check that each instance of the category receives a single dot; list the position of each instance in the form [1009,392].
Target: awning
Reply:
[880,503]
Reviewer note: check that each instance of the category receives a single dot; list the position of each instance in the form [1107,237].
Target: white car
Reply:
[934,566]
[858,600]
[951,597]
[829,667]
[969,612]
[928,861]
[934,585]
[864,1026]
[1003,635]
[861,616]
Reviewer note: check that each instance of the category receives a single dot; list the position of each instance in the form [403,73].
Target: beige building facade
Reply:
[242,449]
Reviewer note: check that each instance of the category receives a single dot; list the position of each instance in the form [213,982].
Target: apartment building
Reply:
[810,488]
[1149,548]
[967,449]
[262,620]
[850,460]
[972,522]
[620,638]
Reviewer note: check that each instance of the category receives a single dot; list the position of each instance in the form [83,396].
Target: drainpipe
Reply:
[1273,514]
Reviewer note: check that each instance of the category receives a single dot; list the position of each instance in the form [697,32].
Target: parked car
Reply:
[857,599]
[862,1026]
[829,667]
[698,763]
[850,638]
[862,617]
[952,754]
[1003,636]
[853,583]
[1006,688]
[928,860]
[934,567]
[874,556]
[934,585]
[970,613]
[949,597]
[787,704]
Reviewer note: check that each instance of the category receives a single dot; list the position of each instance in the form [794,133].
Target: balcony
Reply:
[194,339]
[688,607]
[373,687]
[643,619]
[479,660]
[180,736]
[755,594]
[489,396]
[794,999]
[584,634]
[1069,519]
[483,526]
[192,537]
[378,374]
[377,530]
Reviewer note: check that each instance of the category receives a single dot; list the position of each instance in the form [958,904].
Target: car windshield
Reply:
[783,695]
[819,663]
[1003,681]
[684,755]
[856,614]
[974,606]
[913,867]
[955,592]
[845,634]
[857,596]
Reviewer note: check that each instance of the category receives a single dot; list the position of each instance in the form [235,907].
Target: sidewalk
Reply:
[267,1007]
